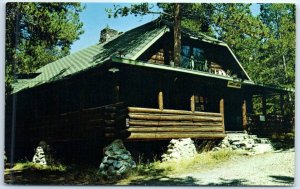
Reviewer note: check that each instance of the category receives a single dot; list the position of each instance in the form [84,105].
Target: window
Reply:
[193,58]
[185,56]
[200,103]
[199,60]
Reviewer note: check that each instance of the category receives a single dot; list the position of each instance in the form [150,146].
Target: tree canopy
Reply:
[264,44]
[38,33]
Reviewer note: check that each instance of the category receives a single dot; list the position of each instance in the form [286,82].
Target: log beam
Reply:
[174,117]
[193,103]
[160,100]
[169,111]
[173,123]
[244,113]
[175,129]
[222,113]
[171,135]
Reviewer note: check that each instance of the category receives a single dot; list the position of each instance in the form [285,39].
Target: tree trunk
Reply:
[177,34]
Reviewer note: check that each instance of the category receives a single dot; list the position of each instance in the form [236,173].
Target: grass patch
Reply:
[30,173]
[21,166]
[205,160]
[201,160]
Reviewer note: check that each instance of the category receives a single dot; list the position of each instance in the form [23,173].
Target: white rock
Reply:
[179,149]
[262,148]
[39,156]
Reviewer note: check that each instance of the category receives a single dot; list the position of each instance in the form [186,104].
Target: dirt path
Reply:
[270,169]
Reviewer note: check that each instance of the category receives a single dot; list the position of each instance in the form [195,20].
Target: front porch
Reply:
[269,111]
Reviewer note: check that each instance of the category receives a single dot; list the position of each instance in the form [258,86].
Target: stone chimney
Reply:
[107,33]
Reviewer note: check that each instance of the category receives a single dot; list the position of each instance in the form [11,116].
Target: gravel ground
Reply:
[269,169]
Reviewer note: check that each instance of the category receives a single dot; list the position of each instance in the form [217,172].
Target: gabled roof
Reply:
[130,45]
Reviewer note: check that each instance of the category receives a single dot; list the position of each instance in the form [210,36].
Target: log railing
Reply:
[269,124]
[156,124]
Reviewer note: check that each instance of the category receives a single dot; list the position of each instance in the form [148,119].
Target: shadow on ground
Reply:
[187,181]
[73,176]
[165,181]
[229,182]
[283,145]
[282,179]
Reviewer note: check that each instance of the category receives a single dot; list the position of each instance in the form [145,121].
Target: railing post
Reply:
[222,113]
[193,103]
[160,100]
[264,102]
[281,104]
[244,111]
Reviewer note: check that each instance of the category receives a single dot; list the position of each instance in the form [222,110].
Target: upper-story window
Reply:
[193,58]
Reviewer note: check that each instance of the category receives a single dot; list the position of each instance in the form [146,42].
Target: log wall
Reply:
[105,122]
[157,124]
[117,121]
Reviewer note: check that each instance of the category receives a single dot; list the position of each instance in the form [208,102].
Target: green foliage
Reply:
[222,155]
[21,166]
[38,33]
[265,44]
[280,45]
[150,170]
[134,9]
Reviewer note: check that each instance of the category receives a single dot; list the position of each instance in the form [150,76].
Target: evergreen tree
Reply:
[38,33]
[264,44]
[244,33]
[280,45]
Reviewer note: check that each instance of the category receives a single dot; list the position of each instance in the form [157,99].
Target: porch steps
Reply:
[244,141]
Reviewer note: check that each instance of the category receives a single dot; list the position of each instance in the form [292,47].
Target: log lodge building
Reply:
[126,86]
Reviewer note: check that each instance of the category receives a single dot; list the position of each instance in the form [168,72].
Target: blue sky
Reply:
[95,18]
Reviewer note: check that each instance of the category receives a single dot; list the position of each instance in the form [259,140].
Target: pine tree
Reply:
[38,33]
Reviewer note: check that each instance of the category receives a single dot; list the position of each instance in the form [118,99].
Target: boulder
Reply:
[43,154]
[39,156]
[262,148]
[179,149]
[117,161]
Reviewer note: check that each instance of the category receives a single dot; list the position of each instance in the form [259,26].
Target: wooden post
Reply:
[160,100]
[177,34]
[116,88]
[250,104]
[117,92]
[244,112]
[193,103]
[281,104]
[264,109]
[222,113]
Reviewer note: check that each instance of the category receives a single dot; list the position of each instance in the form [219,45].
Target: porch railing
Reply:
[156,124]
[270,124]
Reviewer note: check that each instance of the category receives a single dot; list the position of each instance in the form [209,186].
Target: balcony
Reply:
[196,61]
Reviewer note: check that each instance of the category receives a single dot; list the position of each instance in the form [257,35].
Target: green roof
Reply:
[129,43]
